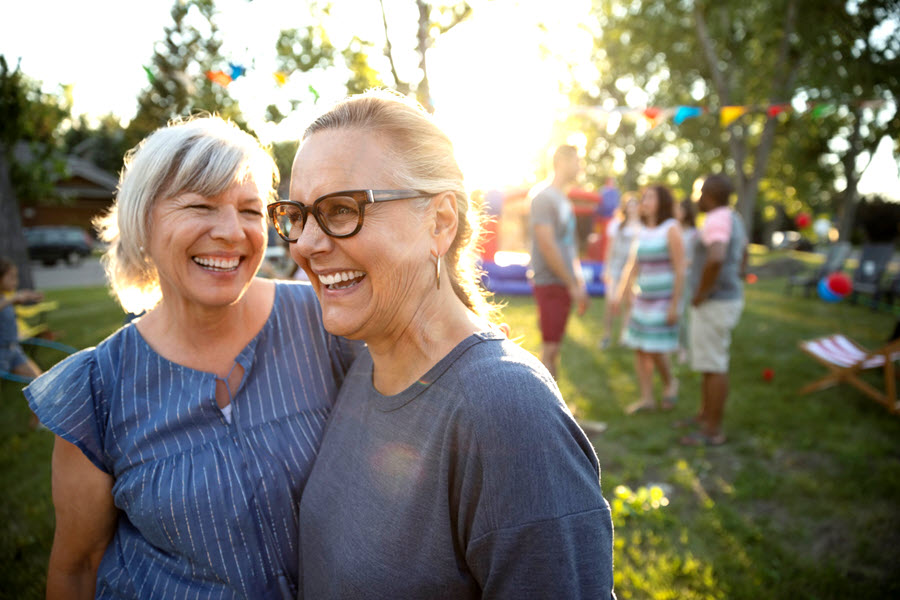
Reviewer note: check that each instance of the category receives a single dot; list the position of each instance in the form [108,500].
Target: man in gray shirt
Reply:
[556,270]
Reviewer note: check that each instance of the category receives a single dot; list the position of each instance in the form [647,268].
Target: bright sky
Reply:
[496,80]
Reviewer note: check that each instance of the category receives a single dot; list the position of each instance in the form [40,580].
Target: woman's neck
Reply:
[208,339]
[432,331]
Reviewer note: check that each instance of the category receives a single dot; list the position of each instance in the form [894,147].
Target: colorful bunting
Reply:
[776,109]
[219,77]
[655,115]
[149,73]
[729,114]
[823,110]
[236,70]
[313,91]
[683,113]
[280,78]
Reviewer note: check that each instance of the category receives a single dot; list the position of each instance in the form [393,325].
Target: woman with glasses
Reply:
[185,438]
[451,467]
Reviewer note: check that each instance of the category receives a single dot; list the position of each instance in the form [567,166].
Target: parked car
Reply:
[50,244]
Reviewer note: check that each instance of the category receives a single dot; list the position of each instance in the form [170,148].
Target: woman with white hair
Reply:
[451,467]
[185,438]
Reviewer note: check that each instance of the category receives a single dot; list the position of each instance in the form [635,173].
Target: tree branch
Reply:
[712,58]
[785,73]
[401,86]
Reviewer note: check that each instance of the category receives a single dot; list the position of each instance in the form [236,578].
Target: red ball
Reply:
[803,220]
[768,374]
[839,284]
[752,278]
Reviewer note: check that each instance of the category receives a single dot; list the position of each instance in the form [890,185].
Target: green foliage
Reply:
[179,86]
[800,503]
[657,53]
[103,144]
[363,76]
[303,50]
[30,122]
[283,153]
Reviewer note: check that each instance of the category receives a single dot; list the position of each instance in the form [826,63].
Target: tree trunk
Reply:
[12,238]
[851,194]
[423,89]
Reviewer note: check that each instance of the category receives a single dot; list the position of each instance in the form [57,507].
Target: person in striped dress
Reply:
[657,267]
[185,438]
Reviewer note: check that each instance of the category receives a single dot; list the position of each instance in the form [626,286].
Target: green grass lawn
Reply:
[802,502]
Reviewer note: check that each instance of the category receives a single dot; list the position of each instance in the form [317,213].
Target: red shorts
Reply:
[554,304]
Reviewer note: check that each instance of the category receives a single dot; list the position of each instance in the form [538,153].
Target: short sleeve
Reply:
[67,402]
[717,227]
[543,210]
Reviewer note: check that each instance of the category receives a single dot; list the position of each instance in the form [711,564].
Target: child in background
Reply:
[620,233]
[12,358]
[687,217]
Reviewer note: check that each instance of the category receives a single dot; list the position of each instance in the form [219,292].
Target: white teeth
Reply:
[334,278]
[218,263]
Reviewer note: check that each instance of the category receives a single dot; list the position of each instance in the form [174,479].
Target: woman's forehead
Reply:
[339,159]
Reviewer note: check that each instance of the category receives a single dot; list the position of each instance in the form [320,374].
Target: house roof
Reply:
[94,181]
[79,167]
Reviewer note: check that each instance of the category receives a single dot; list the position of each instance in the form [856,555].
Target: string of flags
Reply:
[225,76]
[727,114]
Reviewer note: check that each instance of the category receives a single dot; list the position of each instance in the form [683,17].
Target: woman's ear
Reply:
[446,221]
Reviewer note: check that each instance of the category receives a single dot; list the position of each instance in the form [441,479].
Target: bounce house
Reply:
[506,271]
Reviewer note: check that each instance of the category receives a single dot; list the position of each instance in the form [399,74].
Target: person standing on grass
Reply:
[185,438]
[720,261]
[657,266]
[557,278]
[621,233]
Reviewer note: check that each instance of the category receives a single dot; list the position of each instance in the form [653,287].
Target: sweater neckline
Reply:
[397,401]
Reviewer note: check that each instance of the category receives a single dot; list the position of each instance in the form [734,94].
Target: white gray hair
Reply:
[203,155]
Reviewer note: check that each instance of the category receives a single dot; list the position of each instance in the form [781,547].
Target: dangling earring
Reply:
[437,272]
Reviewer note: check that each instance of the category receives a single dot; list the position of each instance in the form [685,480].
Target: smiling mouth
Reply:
[218,264]
[341,280]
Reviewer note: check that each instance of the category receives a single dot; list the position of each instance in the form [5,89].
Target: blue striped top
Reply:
[208,509]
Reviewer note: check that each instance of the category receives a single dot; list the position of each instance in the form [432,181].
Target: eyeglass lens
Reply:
[337,215]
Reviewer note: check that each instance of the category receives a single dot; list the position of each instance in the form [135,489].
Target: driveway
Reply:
[88,273]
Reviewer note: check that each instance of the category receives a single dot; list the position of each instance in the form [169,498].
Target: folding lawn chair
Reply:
[846,360]
[873,264]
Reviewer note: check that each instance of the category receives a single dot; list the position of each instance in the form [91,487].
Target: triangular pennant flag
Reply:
[651,113]
[776,109]
[822,110]
[149,73]
[683,113]
[236,70]
[313,91]
[729,114]
[280,78]
[219,77]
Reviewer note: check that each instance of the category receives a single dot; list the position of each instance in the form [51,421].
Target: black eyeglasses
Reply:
[340,214]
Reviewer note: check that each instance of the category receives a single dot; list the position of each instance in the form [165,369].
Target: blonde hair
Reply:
[203,155]
[423,159]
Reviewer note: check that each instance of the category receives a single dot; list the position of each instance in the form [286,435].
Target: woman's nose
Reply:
[228,224]
[312,239]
